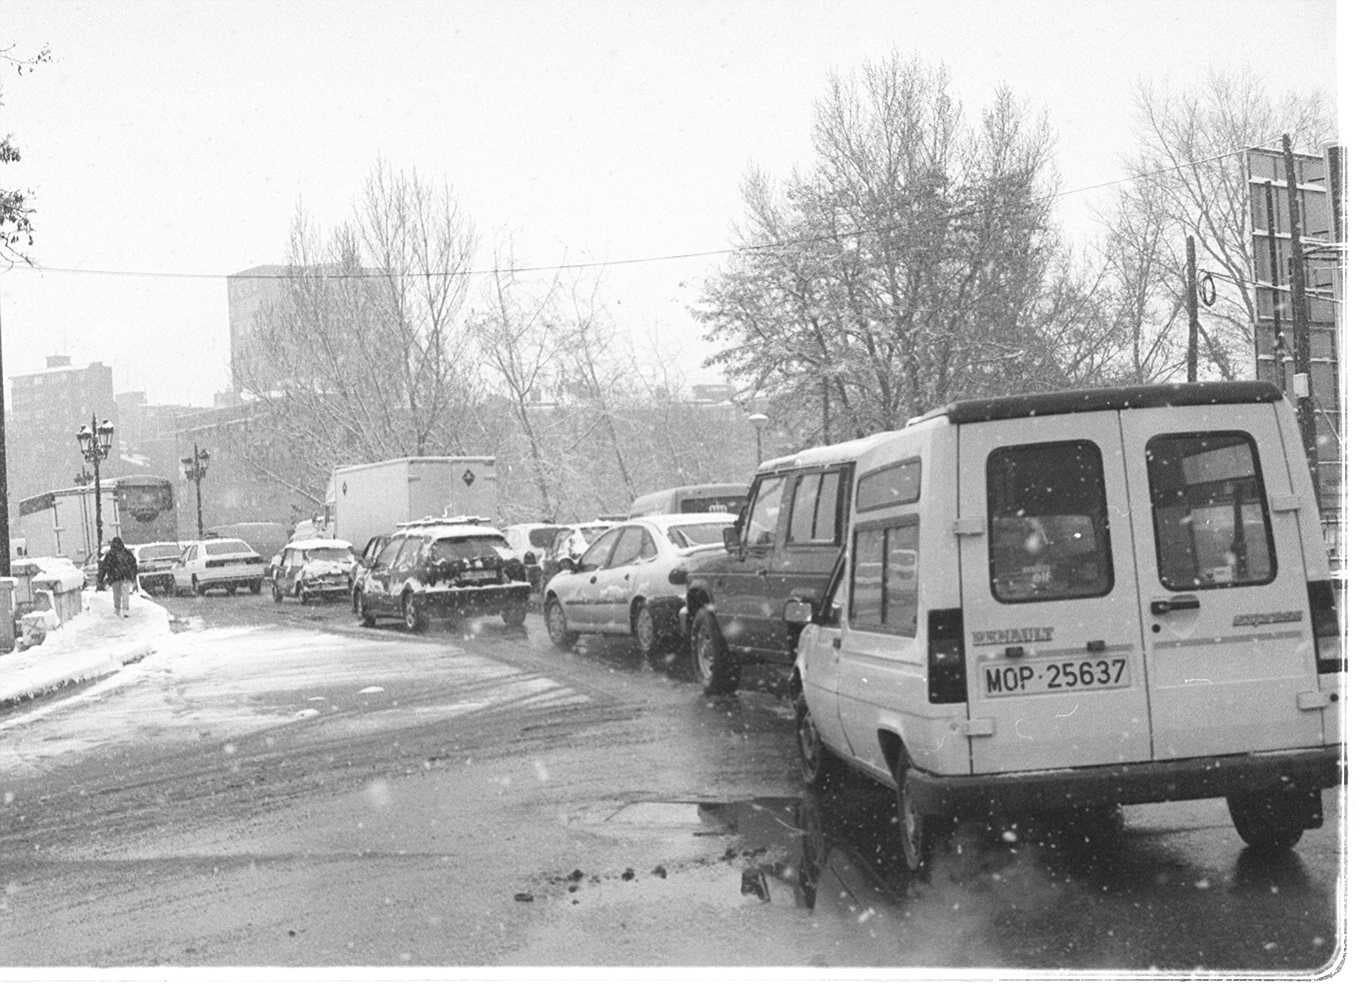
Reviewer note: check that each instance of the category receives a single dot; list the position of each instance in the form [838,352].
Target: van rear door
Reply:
[1221,581]
[1052,631]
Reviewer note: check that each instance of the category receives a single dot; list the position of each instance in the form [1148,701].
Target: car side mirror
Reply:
[529,558]
[730,537]
[798,611]
[568,564]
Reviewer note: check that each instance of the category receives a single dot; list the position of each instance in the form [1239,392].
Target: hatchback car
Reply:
[154,563]
[315,568]
[441,570]
[225,563]
[632,580]
[532,541]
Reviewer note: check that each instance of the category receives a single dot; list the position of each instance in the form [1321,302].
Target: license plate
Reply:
[480,576]
[1017,677]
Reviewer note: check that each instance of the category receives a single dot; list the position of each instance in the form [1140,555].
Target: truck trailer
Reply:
[364,501]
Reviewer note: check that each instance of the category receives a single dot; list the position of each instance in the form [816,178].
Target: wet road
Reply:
[283,787]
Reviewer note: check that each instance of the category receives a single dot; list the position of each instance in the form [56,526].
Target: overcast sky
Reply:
[177,139]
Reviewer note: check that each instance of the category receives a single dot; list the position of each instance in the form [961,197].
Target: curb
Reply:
[133,655]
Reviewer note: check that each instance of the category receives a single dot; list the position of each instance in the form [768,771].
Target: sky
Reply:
[169,144]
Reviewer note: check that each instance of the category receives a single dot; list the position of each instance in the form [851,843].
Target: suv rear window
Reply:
[466,548]
[542,537]
[1209,511]
[1049,524]
[227,547]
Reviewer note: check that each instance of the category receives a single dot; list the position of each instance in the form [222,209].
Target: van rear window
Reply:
[1209,511]
[1049,524]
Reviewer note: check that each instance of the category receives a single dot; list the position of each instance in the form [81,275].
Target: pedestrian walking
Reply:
[118,568]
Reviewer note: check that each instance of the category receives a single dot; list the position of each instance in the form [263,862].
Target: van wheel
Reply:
[713,667]
[557,626]
[1273,820]
[917,829]
[413,619]
[819,768]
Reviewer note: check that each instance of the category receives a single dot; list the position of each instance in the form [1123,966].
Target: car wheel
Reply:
[646,636]
[299,593]
[557,626]
[917,829]
[366,616]
[413,619]
[357,603]
[713,666]
[275,592]
[514,615]
[1272,820]
[195,587]
[819,768]
[254,587]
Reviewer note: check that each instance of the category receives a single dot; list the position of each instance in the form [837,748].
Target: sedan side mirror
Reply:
[568,564]
[730,537]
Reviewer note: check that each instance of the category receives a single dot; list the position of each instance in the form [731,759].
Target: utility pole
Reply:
[1192,303]
[1303,343]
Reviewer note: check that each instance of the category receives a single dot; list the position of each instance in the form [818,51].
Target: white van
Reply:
[1081,600]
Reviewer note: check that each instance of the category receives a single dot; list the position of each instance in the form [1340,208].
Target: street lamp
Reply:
[194,467]
[759,421]
[95,442]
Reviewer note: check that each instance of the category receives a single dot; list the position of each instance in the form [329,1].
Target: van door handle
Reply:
[1162,606]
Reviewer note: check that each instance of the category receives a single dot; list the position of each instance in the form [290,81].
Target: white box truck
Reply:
[364,501]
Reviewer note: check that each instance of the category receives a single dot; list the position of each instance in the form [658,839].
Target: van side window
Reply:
[815,509]
[1209,511]
[889,485]
[1049,524]
[760,529]
[885,587]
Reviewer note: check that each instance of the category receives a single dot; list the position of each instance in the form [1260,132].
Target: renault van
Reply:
[1074,601]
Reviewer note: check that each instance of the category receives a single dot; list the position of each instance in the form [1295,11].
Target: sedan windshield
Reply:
[697,534]
[466,547]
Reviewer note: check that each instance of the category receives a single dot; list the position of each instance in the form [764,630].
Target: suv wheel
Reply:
[413,619]
[713,667]
[1273,820]
[819,767]
[557,626]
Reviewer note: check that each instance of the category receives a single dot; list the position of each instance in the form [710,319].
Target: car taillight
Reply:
[947,663]
[678,576]
[1322,603]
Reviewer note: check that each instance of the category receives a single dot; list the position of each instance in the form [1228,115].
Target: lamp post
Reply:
[95,442]
[194,468]
[759,421]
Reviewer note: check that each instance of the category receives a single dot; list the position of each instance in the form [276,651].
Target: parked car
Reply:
[531,542]
[572,540]
[224,562]
[631,580]
[313,568]
[1081,600]
[712,497]
[443,570]
[154,564]
[784,546]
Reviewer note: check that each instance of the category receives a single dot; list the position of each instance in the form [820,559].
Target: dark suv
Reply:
[443,570]
[783,547]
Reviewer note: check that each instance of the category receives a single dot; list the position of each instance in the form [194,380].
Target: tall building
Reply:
[47,408]
[249,292]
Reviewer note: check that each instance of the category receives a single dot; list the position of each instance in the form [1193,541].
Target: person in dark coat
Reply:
[118,568]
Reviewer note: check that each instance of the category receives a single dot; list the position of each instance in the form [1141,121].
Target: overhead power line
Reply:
[838,234]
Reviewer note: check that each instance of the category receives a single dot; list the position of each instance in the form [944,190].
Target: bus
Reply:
[61,522]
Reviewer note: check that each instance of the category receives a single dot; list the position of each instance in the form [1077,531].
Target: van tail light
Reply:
[1322,603]
[947,659]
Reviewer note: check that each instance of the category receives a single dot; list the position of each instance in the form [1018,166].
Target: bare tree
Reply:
[16,214]
[1188,178]
[910,266]
[362,353]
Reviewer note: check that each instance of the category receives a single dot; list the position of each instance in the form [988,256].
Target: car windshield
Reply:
[156,552]
[454,549]
[227,547]
[697,534]
[327,554]
[543,537]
